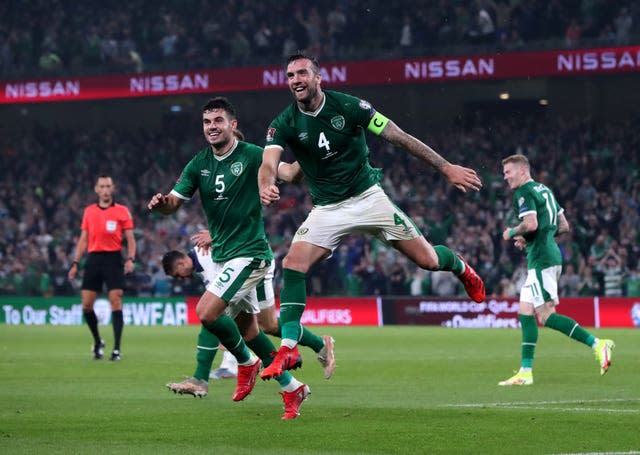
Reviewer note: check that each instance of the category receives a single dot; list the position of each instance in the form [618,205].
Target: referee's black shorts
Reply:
[103,268]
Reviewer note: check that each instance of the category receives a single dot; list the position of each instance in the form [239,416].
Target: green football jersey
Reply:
[542,248]
[228,188]
[330,146]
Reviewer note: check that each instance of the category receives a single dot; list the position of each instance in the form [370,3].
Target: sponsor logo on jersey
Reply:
[205,172]
[302,231]
[365,105]
[520,202]
[303,136]
[271,132]
[236,168]
[338,122]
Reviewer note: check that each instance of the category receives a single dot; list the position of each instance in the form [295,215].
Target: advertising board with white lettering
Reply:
[493,313]
[143,311]
[508,65]
[361,311]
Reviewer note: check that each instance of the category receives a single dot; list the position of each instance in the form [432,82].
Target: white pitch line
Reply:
[632,452]
[547,408]
[531,403]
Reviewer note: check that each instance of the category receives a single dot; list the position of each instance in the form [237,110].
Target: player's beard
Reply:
[312,92]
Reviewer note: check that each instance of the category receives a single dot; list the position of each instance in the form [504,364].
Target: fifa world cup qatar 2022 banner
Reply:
[417,70]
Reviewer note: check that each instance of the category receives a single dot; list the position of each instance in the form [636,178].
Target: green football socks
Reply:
[205,353]
[448,260]
[308,338]
[227,332]
[529,327]
[293,299]
[570,328]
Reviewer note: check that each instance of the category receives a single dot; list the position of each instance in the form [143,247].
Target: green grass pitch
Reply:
[396,390]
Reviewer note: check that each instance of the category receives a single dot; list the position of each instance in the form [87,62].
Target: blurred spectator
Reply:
[573,33]
[569,281]
[589,284]
[611,268]
[622,24]
[445,284]
[406,36]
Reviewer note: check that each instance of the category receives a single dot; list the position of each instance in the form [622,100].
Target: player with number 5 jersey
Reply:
[225,174]
[325,130]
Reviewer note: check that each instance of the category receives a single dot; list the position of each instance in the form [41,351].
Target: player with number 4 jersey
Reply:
[326,131]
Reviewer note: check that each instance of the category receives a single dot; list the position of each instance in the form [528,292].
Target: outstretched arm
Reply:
[164,203]
[461,177]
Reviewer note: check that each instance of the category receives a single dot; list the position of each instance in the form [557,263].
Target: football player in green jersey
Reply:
[541,220]
[225,174]
[325,130]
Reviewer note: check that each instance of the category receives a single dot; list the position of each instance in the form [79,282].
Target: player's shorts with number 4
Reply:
[370,212]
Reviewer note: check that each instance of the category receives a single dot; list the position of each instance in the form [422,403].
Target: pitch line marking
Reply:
[544,408]
[633,452]
[530,403]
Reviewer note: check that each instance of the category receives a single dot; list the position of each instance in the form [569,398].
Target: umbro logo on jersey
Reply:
[236,168]
[303,136]
[205,172]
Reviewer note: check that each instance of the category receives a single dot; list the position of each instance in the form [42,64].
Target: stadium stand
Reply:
[67,37]
[47,175]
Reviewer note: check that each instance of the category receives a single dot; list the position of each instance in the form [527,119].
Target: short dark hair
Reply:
[301,56]
[169,260]
[220,102]
[103,175]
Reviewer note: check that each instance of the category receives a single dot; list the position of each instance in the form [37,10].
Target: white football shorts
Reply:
[541,286]
[246,284]
[370,212]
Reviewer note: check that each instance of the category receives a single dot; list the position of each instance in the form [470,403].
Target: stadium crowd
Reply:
[57,37]
[47,179]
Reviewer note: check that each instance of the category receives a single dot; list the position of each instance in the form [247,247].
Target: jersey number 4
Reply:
[323,142]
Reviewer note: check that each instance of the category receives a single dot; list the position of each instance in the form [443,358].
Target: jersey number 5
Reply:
[220,183]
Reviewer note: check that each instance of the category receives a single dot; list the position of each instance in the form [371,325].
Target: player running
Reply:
[542,219]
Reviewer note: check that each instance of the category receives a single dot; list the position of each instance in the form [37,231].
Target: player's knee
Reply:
[206,318]
[294,263]
[270,327]
[428,263]
[250,333]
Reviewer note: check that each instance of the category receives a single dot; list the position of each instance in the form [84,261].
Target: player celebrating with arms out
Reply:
[326,132]
[542,219]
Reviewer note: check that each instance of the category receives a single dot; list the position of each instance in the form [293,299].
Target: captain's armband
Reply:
[377,123]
